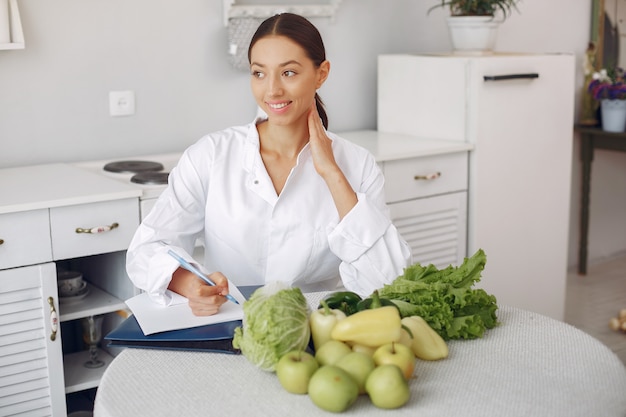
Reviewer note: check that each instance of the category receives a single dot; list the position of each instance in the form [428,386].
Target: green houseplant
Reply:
[472,23]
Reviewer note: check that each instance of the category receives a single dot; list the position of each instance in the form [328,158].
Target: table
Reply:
[592,138]
[530,365]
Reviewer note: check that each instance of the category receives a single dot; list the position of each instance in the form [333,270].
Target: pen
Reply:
[189,267]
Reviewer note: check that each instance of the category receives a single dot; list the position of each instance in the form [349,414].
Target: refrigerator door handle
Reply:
[530,75]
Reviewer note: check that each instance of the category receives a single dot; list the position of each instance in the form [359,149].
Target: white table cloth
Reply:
[530,365]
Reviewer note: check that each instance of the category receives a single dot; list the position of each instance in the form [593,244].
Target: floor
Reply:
[592,300]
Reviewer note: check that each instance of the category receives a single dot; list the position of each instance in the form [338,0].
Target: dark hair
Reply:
[302,32]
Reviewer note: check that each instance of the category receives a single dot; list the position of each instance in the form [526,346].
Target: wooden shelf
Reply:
[77,376]
[95,303]
[13,45]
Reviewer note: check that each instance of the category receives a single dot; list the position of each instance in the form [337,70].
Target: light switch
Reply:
[122,103]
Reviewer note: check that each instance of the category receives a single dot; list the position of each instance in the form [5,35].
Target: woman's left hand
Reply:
[326,166]
[321,145]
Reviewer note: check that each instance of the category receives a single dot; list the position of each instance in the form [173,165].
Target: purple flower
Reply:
[608,84]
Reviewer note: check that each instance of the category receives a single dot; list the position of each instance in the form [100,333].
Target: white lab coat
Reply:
[221,194]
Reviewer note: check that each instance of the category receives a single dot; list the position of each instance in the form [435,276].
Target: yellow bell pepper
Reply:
[427,344]
[322,322]
[370,327]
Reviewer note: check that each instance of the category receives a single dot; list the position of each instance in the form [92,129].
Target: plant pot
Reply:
[473,33]
[613,114]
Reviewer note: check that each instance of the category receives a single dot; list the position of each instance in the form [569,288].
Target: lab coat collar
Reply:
[257,181]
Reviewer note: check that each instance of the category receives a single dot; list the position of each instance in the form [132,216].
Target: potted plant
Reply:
[473,24]
[608,86]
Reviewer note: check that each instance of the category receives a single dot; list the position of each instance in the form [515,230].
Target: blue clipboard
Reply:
[213,337]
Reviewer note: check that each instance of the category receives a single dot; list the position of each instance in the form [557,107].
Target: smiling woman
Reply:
[279,199]
[284,39]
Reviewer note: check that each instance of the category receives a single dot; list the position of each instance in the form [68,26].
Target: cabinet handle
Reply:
[1,241]
[427,177]
[530,75]
[54,319]
[97,229]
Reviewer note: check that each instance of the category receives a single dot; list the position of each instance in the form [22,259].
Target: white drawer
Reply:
[404,177]
[25,238]
[117,221]
[435,228]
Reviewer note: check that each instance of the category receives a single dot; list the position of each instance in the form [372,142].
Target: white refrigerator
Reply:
[518,112]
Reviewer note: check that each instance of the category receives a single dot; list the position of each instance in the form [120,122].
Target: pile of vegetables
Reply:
[426,305]
[445,298]
[276,321]
[375,322]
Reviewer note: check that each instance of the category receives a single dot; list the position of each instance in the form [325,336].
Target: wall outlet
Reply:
[121,103]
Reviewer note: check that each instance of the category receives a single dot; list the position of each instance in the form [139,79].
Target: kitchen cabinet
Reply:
[517,110]
[426,192]
[41,208]
[31,357]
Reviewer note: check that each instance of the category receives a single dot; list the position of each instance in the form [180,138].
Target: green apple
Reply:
[295,369]
[358,365]
[387,387]
[396,354]
[363,349]
[331,351]
[333,389]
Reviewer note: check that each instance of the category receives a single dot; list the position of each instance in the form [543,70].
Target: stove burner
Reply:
[150,178]
[133,166]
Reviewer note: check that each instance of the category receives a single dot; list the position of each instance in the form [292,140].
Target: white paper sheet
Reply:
[155,318]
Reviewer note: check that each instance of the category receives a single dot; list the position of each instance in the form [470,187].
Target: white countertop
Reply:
[392,146]
[54,185]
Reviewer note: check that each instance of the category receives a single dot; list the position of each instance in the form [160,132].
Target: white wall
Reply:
[173,54]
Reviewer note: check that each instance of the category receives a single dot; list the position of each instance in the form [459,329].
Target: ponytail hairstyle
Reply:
[302,32]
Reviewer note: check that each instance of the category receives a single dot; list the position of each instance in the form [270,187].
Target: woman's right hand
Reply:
[204,299]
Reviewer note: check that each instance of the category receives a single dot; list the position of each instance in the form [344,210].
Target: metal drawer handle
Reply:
[428,177]
[97,229]
[1,241]
[54,319]
[531,76]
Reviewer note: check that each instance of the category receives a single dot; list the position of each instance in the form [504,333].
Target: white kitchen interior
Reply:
[169,63]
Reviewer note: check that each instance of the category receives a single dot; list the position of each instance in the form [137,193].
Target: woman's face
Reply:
[284,79]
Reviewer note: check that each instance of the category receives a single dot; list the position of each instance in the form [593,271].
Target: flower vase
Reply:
[613,114]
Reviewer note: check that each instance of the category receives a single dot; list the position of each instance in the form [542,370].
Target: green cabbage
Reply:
[276,321]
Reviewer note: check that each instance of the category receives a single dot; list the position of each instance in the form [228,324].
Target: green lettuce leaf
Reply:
[445,298]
